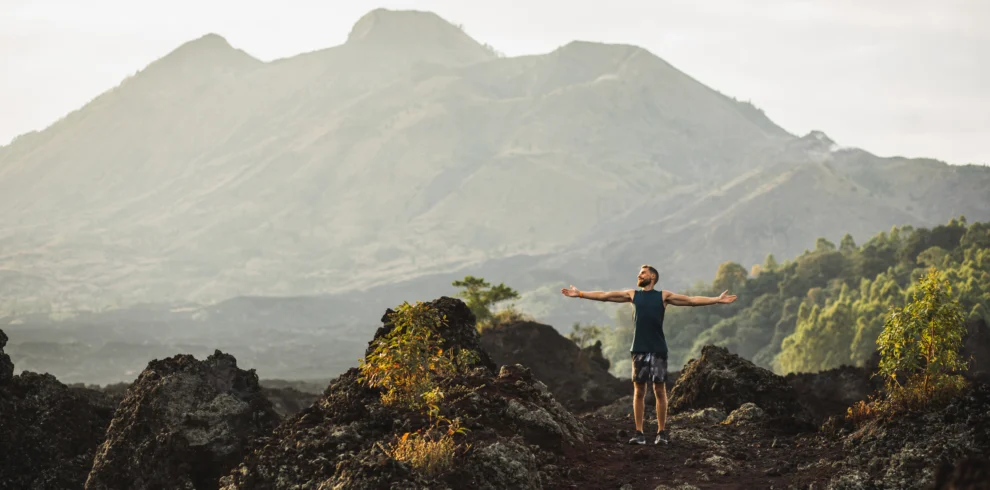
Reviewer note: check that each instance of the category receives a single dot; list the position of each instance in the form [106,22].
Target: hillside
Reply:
[239,196]
[211,174]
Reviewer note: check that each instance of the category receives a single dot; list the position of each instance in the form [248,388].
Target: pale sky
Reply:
[894,77]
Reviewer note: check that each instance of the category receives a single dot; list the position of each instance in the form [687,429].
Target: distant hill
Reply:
[412,154]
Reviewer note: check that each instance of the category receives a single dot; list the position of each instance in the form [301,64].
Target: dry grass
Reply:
[428,453]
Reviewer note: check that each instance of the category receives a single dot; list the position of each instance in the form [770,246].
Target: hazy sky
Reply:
[895,77]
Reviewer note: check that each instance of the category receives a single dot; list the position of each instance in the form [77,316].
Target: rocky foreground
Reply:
[191,424]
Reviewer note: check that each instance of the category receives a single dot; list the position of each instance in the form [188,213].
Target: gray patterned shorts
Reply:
[649,366]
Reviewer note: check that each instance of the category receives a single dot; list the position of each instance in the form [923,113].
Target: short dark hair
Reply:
[656,275]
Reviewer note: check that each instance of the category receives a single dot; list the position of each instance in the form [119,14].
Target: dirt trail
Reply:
[701,454]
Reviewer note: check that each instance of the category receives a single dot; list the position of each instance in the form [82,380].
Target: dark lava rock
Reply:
[6,366]
[720,379]
[517,432]
[830,393]
[182,424]
[968,474]
[976,347]
[578,378]
[907,450]
[49,432]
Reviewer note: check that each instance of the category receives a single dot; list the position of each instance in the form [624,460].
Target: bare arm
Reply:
[611,296]
[675,299]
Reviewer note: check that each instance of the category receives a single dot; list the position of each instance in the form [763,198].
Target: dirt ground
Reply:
[701,454]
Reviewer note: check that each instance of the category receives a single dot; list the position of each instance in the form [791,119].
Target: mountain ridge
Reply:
[366,163]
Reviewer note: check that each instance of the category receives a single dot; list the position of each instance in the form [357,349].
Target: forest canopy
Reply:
[824,308]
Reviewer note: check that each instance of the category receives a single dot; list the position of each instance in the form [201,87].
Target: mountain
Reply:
[411,154]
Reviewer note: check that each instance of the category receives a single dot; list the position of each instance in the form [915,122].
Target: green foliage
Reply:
[923,338]
[826,307]
[480,296]
[409,362]
[730,276]
[414,372]
[919,353]
[585,335]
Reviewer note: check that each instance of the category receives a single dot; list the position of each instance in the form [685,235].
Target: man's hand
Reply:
[726,298]
[572,292]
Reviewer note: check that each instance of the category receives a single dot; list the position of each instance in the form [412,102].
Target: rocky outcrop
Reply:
[182,424]
[971,473]
[976,347]
[6,366]
[517,432]
[830,393]
[49,432]
[722,380]
[578,378]
[906,451]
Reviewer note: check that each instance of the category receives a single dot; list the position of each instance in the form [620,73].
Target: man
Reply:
[649,346]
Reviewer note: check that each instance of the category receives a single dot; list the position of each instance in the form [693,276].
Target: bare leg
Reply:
[639,404]
[660,391]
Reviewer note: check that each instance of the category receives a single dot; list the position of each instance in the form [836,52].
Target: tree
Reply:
[823,245]
[730,277]
[480,296]
[585,335]
[847,246]
[770,263]
[922,339]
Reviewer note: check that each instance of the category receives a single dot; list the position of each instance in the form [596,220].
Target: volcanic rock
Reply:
[182,424]
[747,413]
[971,473]
[517,432]
[49,432]
[830,393]
[578,378]
[722,380]
[6,366]
[907,450]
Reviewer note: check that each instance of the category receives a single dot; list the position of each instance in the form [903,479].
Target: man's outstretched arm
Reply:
[613,296]
[681,300]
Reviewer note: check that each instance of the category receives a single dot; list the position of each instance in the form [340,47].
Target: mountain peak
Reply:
[208,41]
[209,52]
[818,136]
[411,29]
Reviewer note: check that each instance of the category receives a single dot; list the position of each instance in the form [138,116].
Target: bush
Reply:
[410,365]
[409,362]
[919,345]
[430,451]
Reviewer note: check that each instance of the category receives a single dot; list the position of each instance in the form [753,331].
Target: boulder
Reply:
[517,433]
[578,378]
[747,413]
[49,432]
[830,393]
[6,366]
[722,380]
[182,424]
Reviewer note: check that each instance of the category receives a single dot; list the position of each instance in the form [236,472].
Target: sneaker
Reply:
[662,438]
[638,438]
